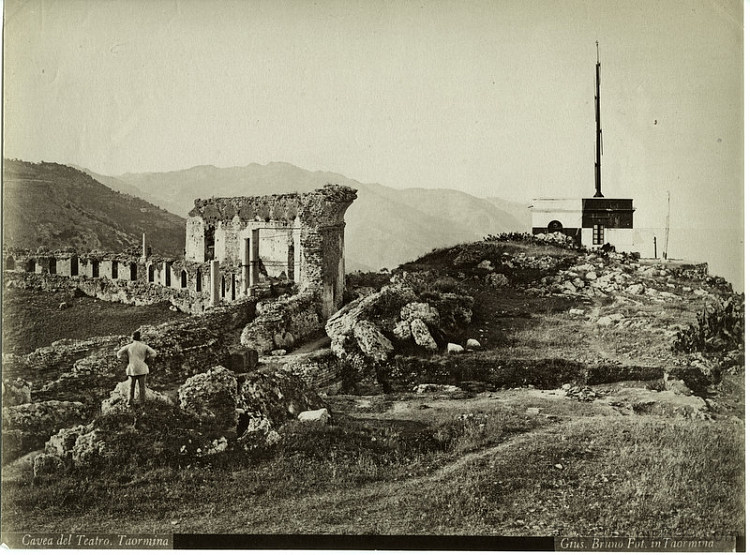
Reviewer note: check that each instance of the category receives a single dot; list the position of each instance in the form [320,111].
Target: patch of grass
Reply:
[33,319]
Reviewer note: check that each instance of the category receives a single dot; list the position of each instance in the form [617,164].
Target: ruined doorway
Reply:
[198,281]
[233,288]
[210,242]
[114,269]
[95,268]
[73,265]
[167,274]
[223,287]
[151,273]
[10,264]
[31,265]
[133,272]
[183,279]
[53,266]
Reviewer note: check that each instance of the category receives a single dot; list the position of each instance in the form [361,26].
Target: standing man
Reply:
[137,369]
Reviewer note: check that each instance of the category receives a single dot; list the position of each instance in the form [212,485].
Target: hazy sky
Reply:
[491,97]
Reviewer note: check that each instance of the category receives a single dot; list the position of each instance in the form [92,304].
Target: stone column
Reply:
[215,283]
[254,256]
[245,258]
[143,251]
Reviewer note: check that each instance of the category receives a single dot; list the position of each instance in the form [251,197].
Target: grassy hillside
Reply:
[588,410]
[56,206]
[385,226]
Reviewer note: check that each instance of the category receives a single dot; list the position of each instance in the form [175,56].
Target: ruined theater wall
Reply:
[323,265]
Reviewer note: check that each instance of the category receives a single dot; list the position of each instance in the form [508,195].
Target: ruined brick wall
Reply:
[301,235]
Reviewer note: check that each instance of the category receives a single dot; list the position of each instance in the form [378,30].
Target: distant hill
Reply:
[57,206]
[385,226]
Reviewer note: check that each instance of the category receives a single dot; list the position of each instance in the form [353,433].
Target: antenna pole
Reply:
[666,235]
[598,164]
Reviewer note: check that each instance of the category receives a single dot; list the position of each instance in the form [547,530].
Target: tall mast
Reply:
[598,165]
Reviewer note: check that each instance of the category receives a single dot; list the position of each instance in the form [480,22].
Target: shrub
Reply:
[720,326]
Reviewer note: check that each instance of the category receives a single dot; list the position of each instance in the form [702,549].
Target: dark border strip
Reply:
[315,541]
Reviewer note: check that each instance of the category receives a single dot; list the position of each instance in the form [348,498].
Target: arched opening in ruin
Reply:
[95,268]
[10,263]
[73,265]
[167,274]
[151,273]
[183,279]
[210,242]
[234,292]
[31,265]
[133,271]
[114,269]
[554,225]
[198,281]
[223,287]
[53,265]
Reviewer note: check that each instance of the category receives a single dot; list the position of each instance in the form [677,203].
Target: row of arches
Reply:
[71,267]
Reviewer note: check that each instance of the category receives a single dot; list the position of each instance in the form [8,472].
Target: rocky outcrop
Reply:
[16,392]
[118,399]
[356,331]
[26,427]
[282,323]
[275,397]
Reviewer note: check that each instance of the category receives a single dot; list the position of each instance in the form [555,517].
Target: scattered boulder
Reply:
[635,289]
[436,388]
[278,352]
[454,348]
[576,312]
[320,415]
[422,336]
[473,345]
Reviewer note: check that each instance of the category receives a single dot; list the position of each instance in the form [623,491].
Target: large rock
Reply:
[428,314]
[282,323]
[355,330]
[118,399]
[372,342]
[421,334]
[274,396]
[321,415]
[212,396]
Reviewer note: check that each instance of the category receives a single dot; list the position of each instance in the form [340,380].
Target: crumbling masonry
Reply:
[234,248]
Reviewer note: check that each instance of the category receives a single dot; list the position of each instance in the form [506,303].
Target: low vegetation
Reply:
[508,452]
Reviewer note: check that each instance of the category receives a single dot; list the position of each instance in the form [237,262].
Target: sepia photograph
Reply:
[373,274]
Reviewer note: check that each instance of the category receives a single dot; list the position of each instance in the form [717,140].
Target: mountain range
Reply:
[55,206]
[385,226]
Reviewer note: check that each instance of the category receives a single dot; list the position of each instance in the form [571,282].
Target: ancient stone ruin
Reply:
[235,247]
[267,270]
